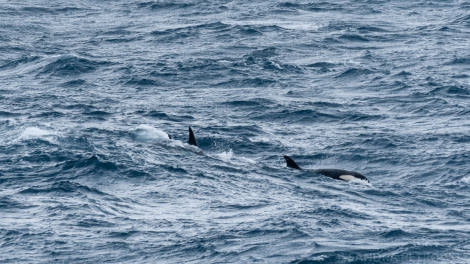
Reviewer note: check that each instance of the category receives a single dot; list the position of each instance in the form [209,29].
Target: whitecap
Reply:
[360,181]
[36,132]
[226,155]
[148,133]
[466,180]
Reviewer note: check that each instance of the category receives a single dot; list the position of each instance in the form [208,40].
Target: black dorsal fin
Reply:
[192,138]
[291,163]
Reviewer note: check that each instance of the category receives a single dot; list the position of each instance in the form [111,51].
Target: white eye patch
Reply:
[347,177]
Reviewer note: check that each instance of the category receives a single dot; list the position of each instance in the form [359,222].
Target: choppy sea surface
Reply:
[90,91]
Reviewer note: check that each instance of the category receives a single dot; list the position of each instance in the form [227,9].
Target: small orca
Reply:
[337,174]
[192,138]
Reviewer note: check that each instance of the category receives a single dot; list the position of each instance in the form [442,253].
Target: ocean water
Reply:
[90,91]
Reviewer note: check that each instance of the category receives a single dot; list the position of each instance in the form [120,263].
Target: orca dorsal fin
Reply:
[192,138]
[291,163]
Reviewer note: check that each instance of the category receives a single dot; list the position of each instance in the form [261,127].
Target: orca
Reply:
[337,174]
[192,139]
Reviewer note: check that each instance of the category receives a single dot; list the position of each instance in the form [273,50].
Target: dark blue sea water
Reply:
[89,91]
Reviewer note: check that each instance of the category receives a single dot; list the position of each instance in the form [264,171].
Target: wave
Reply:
[92,164]
[464,61]
[35,10]
[322,65]
[354,73]
[72,65]
[143,81]
[118,35]
[31,133]
[353,38]
[175,33]
[254,105]
[264,59]
[147,133]
[8,114]
[8,202]
[451,90]
[407,253]
[13,63]
[158,115]
[248,82]
[74,83]
[309,115]
[63,187]
[312,7]
[164,5]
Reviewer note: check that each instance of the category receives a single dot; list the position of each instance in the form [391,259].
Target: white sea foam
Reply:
[226,155]
[36,132]
[148,133]
[360,181]
[229,157]
[247,160]
[466,180]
